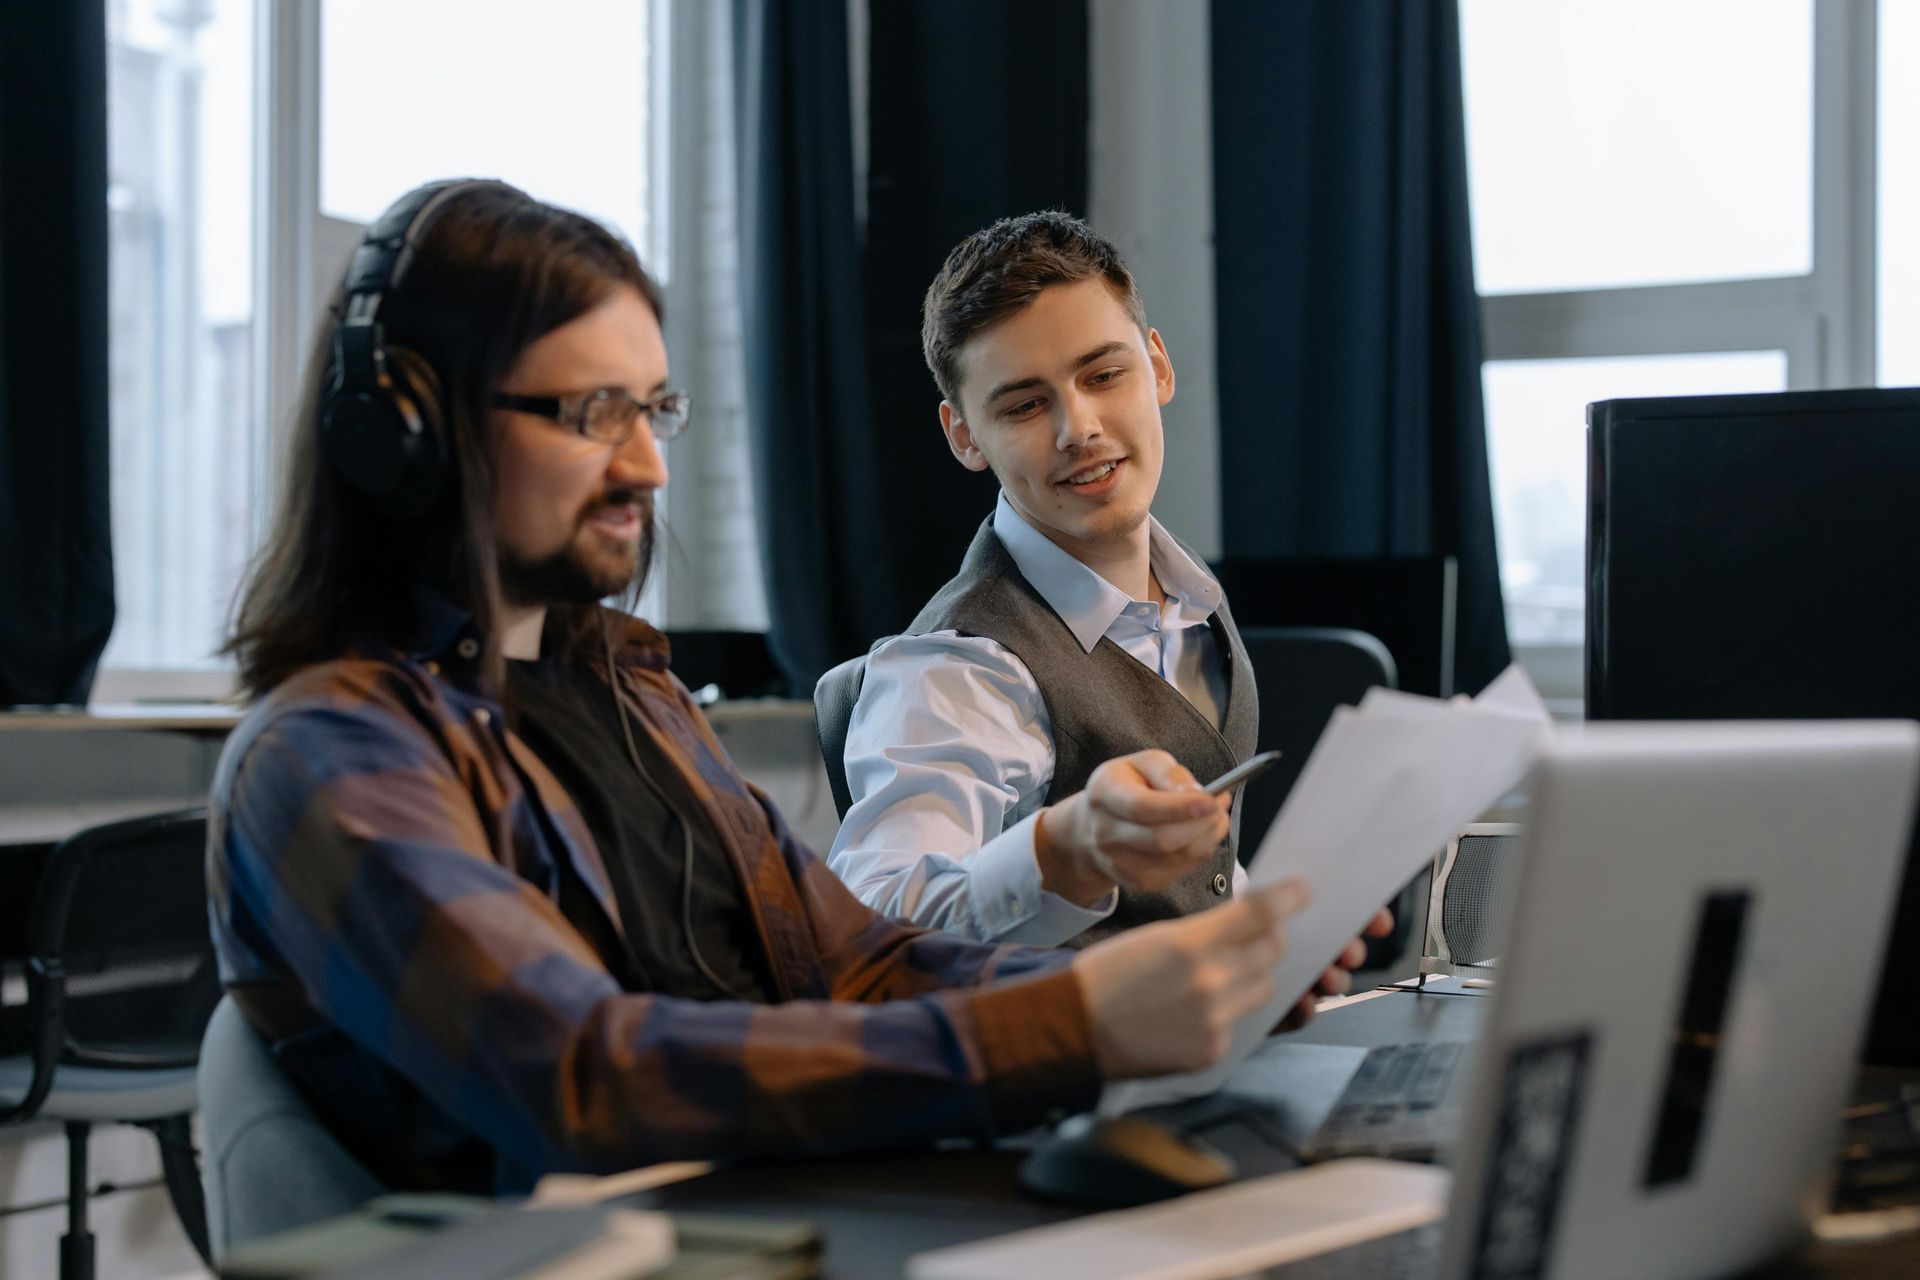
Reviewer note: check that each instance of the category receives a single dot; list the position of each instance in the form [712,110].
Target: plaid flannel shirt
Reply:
[383,858]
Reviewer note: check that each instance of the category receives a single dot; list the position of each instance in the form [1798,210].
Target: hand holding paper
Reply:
[1387,785]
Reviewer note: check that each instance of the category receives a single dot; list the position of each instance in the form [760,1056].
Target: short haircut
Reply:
[996,272]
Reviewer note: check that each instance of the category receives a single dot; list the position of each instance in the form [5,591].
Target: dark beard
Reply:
[568,577]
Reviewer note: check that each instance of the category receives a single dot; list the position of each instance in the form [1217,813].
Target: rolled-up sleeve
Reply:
[948,758]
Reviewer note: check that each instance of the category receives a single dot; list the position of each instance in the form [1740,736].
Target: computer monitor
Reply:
[1758,557]
[1406,602]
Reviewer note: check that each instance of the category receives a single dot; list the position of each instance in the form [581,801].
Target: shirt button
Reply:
[484,716]
[467,648]
[1220,883]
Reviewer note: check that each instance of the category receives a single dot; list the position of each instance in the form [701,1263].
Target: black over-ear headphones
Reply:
[381,428]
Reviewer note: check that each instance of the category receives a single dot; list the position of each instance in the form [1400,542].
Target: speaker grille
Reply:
[1470,898]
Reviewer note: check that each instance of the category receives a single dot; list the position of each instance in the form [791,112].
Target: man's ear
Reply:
[1162,366]
[960,438]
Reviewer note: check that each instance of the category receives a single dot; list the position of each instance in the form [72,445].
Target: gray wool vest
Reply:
[1105,704]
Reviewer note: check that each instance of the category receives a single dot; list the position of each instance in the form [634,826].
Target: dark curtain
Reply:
[56,560]
[1349,332]
[827,557]
[974,111]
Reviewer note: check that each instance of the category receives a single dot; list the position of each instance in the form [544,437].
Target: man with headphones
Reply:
[482,875]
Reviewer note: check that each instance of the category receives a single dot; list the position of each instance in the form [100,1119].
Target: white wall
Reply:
[1151,193]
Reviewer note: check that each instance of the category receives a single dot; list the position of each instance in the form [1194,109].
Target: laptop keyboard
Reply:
[1400,1103]
[1404,1255]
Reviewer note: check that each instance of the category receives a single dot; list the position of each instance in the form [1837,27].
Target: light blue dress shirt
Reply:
[950,752]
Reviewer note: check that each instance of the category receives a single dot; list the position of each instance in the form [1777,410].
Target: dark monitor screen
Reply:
[1406,602]
[1758,557]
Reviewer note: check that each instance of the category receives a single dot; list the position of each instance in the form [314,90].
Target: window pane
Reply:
[1899,194]
[1632,142]
[550,97]
[1537,438]
[180,328]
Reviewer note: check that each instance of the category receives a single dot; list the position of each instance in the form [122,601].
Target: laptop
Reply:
[1697,926]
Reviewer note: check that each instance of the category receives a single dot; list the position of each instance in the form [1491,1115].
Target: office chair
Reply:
[1304,673]
[1465,920]
[270,1164]
[120,981]
[833,700]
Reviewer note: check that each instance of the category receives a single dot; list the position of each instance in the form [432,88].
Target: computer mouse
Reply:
[1121,1160]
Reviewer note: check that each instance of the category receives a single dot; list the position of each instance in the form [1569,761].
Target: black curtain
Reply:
[974,111]
[56,560]
[1349,334]
[826,557]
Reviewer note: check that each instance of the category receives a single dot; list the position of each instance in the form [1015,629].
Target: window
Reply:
[554,98]
[180,181]
[1899,194]
[1659,208]
[283,126]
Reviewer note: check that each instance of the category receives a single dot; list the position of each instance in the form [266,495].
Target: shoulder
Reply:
[948,658]
[351,714]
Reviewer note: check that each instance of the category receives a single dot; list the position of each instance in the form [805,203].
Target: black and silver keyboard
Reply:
[1401,1103]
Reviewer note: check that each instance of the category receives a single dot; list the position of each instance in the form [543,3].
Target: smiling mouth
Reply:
[1094,474]
[621,521]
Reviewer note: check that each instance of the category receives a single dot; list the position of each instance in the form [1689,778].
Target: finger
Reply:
[1352,956]
[1381,925]
[1261,911]
[1334,982]
[1248,994]
[1119,838]
[1304,1008]
[1133,800]
[1162,771]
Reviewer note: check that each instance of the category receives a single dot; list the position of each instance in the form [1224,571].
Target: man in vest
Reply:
[1024,760]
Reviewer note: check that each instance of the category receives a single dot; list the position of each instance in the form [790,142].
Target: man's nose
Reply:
[639,461]
[1077,424]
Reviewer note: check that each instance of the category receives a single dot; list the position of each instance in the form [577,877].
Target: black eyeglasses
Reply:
[607,415]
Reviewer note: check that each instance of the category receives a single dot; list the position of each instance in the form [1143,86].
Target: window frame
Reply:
[299,251]
[1824,321]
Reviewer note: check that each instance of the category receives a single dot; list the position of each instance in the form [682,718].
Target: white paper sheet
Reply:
[1387,786]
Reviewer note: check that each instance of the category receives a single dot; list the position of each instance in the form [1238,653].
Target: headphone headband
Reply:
[381,428]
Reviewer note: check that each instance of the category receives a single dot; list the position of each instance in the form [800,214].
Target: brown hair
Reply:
[996,272]
[495,271]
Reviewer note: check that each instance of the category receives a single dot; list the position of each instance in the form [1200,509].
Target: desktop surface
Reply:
[876,1211]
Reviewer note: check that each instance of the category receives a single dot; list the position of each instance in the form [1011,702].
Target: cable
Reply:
[686,827]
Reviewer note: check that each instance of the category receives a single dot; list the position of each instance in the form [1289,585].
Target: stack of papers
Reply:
[1388,784]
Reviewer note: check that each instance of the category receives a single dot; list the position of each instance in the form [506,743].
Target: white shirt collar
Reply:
[1085,601]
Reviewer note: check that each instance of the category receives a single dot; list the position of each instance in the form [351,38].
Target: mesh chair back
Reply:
[122,913]
[833,701]
[1466,917]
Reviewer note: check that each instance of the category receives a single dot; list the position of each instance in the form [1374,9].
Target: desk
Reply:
[877,1211]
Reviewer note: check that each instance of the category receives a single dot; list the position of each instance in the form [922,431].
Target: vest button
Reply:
[1220,883]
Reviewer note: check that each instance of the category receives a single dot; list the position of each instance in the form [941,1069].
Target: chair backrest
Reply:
[120,968]
[833,700]
[1464,915]
[1303,673]
[269,1164]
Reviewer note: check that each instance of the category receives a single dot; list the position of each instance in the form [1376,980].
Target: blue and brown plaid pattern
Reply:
[383,863]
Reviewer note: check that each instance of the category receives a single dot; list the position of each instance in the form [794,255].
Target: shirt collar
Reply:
[1085,601]
[446,636]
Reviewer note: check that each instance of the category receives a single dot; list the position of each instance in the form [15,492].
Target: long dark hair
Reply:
[495,271]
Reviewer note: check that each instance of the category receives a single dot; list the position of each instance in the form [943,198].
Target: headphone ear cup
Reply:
[389,444]
[416,399]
